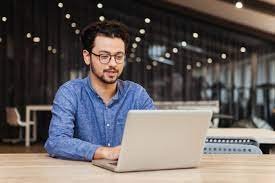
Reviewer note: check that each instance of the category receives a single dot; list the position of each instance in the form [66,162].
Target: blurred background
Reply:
[181,51]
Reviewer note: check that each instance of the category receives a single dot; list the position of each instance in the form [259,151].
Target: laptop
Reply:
[161,139]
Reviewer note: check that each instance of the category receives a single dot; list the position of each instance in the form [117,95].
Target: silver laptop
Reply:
[161,139]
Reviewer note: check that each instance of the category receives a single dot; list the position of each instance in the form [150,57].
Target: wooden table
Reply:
[33,168]
[263,136]
[34,109]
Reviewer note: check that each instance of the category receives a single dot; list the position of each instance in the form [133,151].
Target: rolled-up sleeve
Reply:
[61,142]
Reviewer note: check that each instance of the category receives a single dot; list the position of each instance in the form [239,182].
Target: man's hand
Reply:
[111,153]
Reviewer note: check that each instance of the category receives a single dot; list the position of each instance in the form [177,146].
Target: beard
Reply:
[109,76]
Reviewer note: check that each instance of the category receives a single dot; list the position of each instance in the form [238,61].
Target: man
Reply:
[88,115]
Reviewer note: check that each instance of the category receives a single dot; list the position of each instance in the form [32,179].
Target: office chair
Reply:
[223,145]
[13,119]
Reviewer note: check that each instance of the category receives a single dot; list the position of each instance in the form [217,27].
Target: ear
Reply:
[86,57]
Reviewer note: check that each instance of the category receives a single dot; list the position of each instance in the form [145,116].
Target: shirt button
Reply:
[108,125]
[109,144]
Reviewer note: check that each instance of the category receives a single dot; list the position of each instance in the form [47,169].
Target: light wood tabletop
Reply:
[33,168]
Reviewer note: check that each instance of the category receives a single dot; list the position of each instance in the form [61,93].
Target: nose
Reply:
[113,61]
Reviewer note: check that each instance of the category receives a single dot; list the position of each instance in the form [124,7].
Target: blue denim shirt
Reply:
[81,122]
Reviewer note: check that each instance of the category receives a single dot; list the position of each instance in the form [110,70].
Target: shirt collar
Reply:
[118,92]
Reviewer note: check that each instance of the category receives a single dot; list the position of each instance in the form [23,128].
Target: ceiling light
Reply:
[77,31]
[183,43]
[50,48]
[73,24]
[4,19]
[36,39]
[0,40]
[99,5]
[209,60]
[132,55]
[188,67]
[155,63]
[223,55]
[28,35]
[54,51]
[175,50]
[167,55]
[138,59]
[101,18]
[239,4]
[147,20]
[134,45]
[133,50]
[198,64]
[68,16]
[243,49]
[137,39]
[195,35]
[142,31]
[148,67]
[60,5]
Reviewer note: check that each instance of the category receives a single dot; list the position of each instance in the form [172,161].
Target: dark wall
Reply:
[31,74]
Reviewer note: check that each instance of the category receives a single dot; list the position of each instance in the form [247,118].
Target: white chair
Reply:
[13,119]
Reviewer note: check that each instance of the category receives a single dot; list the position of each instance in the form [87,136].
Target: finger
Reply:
[115,156]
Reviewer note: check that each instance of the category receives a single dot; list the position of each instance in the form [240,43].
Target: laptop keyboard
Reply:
[113,163]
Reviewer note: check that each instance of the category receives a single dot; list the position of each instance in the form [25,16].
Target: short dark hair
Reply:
[108,28]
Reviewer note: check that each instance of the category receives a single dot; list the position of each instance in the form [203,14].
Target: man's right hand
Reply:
[110,153]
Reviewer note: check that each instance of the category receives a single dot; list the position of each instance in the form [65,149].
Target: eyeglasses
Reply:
[106,58]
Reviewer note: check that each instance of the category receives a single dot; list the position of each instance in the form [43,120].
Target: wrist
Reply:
[100,153]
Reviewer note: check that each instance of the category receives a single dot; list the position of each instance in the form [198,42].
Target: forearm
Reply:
[70,148]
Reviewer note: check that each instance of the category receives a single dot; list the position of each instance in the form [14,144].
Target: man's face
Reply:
[107,73]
